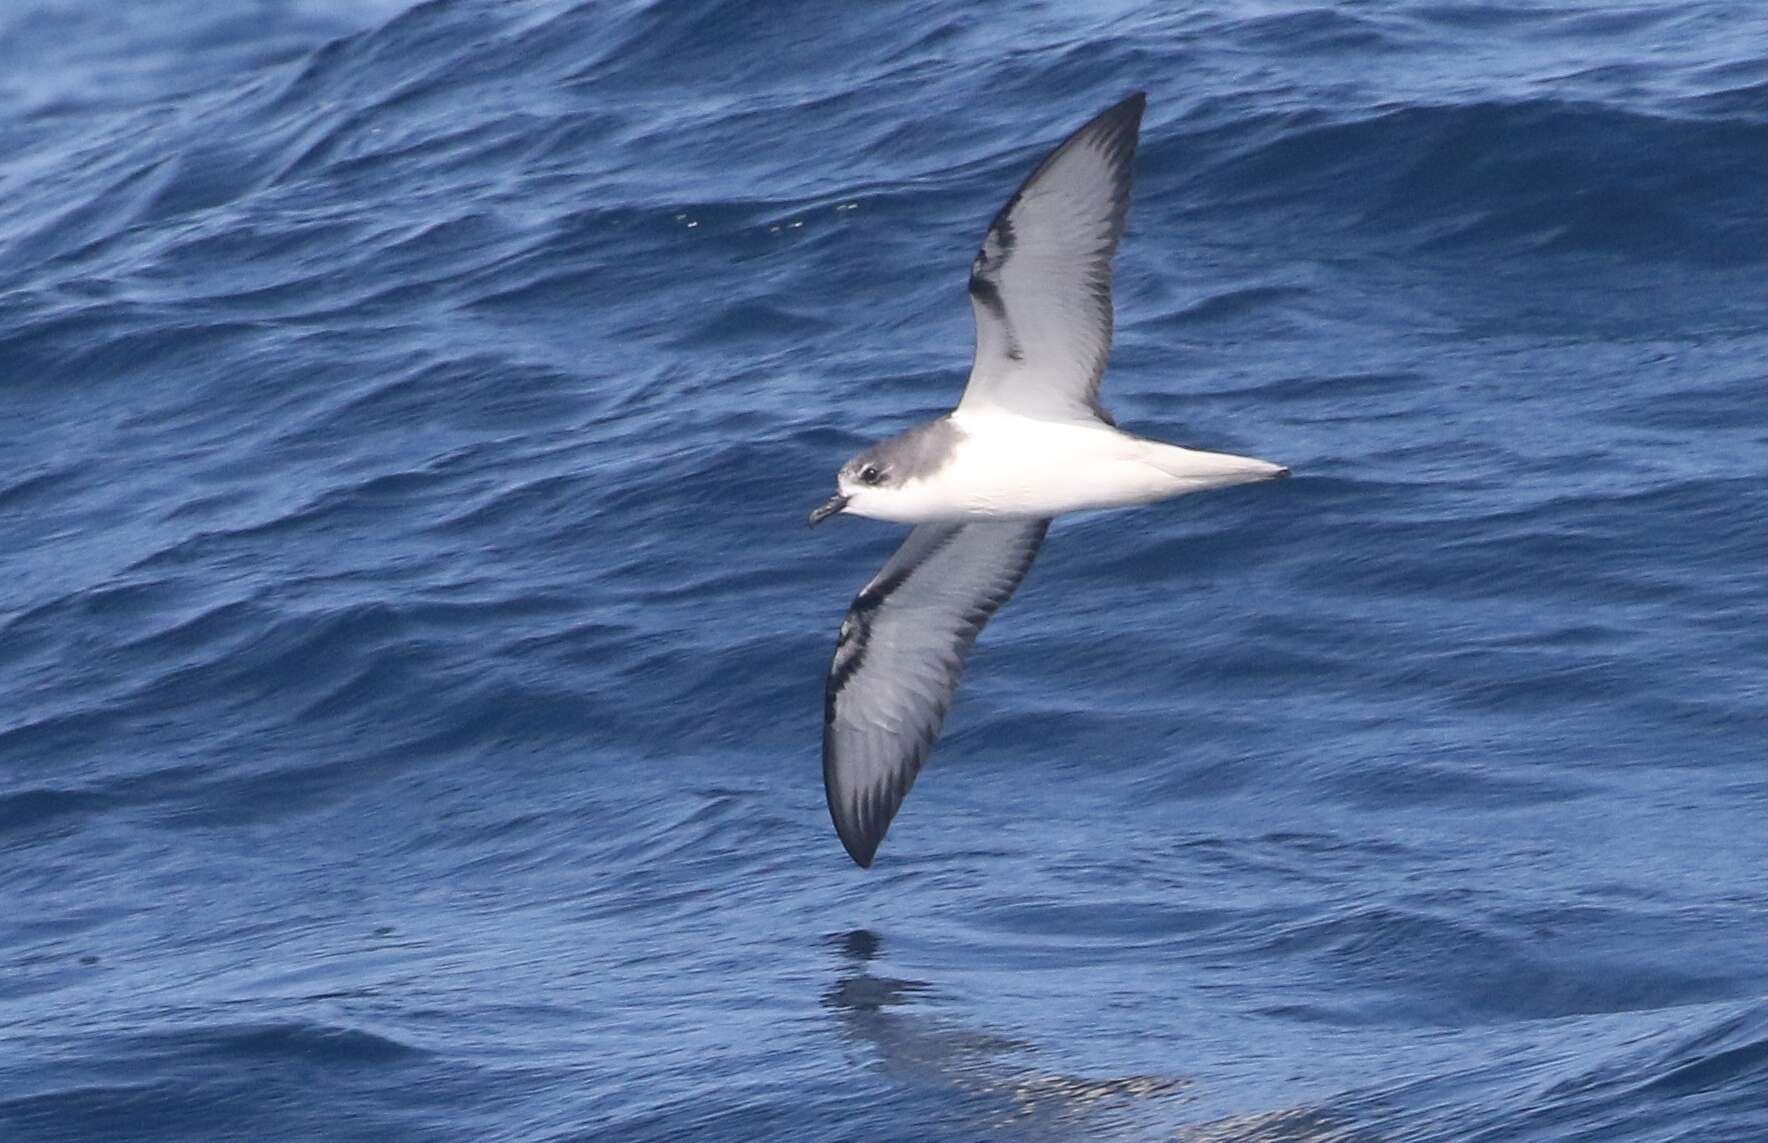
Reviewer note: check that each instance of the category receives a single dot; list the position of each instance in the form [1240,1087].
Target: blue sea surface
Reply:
[411,647]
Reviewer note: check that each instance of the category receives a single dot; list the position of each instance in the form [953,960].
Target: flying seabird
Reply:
[1027,441]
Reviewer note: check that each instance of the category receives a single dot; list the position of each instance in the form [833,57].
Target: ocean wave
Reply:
[412,647]
[1553,176]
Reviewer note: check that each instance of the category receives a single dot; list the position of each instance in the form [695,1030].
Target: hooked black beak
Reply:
[834,505]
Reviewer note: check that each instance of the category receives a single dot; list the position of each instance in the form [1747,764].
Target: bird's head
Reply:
[888,480]
[865,486]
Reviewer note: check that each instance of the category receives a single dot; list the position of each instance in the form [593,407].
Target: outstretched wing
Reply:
[1041,284]
[897,663]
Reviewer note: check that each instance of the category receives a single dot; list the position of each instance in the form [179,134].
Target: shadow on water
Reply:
[911,1044]
[857,990]
[1000,1088]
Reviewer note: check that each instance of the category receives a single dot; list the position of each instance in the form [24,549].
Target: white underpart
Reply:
[1013,467]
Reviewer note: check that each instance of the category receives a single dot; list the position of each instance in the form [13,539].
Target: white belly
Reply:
[1008,466]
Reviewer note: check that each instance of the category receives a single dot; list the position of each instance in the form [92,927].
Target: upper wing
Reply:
[897,663]
[1041,284]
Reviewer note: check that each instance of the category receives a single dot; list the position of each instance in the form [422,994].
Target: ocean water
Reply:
[411,647]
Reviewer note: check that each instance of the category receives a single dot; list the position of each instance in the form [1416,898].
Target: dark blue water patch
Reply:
[295,1041]
[242,1080]
[1541,176]
[1322,30]
[1579,1100]
[1730,1052]
[39,810]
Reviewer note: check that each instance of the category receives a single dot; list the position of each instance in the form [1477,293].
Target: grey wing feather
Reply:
[1041,284]
[898,659]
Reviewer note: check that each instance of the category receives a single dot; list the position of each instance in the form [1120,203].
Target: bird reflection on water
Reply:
[915,1046]
[1005,1091]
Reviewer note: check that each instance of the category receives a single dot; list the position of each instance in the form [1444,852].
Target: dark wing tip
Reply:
[1129,108]
[862,804]
[1114,131]
[862,811]
[861,845]
[1117,127]
[861,822]
[1122,118]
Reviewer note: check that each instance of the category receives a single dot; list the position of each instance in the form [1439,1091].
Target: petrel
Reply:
[1027,441]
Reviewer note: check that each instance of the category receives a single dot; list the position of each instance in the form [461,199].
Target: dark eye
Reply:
[870,474]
